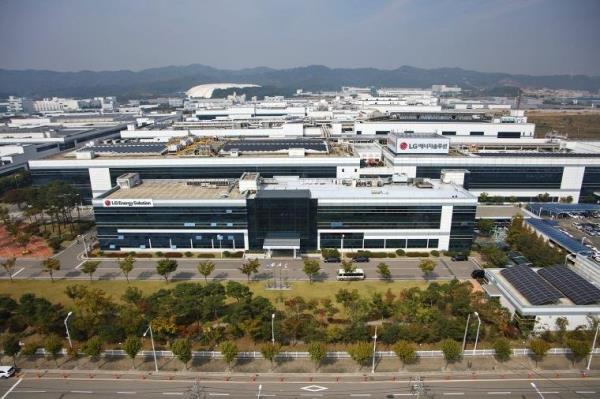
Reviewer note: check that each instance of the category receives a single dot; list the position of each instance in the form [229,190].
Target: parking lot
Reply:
[586,228]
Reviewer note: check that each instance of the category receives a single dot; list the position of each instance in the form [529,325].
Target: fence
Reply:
[330,355]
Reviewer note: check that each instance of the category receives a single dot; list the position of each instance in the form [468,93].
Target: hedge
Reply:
[417,254]
[206,256]
[173,255]
[370,254]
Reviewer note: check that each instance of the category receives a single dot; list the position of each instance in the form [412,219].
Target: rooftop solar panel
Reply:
[157,148]
[571,284]
[274,145]
[549,229]
[534,288]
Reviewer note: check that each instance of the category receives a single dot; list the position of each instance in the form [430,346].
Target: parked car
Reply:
[360,259]
[6,371]
[459,258]
[332,259]
[478,273]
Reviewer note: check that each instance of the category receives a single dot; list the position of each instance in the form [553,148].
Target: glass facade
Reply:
[379,217]
[220,219]
[282,214]
[461,230]
[79,179]
[590,184]
[501,177]
[357,241]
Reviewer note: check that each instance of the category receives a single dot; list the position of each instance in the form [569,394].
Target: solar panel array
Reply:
[157,148]
[274,145]
[534,288]
[571,284]
[549,229]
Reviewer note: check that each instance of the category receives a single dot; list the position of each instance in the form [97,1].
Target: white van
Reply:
[357,274]
[6,371]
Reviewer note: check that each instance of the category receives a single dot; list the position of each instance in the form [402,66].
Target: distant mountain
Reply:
[172,79]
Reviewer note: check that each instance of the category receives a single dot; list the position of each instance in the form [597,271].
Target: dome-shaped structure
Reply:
[206,91]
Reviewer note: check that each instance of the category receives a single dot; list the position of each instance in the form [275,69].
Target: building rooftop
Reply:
[193,189]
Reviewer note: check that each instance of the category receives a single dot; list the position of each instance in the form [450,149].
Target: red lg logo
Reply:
[106,202]
[403,146]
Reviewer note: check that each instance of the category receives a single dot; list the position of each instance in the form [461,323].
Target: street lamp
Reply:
[477,336]
[465,336]
[259,390]
[593,346]
[374,350]
[153,349]
[342,246]
[67,328]
[273,328]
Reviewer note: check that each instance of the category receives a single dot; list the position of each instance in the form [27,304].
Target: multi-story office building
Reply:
[284,213]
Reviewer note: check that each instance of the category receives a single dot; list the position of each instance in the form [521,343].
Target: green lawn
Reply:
[55,292]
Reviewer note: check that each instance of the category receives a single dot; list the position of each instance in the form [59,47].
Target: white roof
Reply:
[206,91]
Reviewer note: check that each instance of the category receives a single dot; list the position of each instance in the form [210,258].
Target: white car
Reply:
[6,371]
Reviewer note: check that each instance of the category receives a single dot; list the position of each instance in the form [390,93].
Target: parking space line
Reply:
[12,388]
[18,271]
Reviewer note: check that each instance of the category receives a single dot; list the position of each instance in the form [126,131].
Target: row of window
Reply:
[172,241]
[379,217]
[357,241]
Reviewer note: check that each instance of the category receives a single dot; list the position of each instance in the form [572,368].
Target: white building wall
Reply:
[461,129]
[572,179]
[100,180]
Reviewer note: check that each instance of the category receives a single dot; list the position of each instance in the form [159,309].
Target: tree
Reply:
[452,350]
[562,323]
[53,345]
[427,266]
[311,268]
[229,350]
[270,352]
[126,266]
[165,267]
[502,349]
[317,352]
[348,266]
[540,348]
[405,351]
[182,349]
[361,352]
[93,347]
[250,267]
[50,266]
[23,239]
[205,268]
[579,349]
[90,267]
[9,266]
[11,346]
[485,226]
[132,346]
[384,271]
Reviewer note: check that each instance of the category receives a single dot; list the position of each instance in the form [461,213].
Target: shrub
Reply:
[159,254]
[451,350]
[503,349]
[132,254]
[417,254]
[237,254]
[188,254]
[539,347]
[93,347]
[405,351]
[226,254]
[206,256]
[400,252]
[361,352]
[435,253]
[173,255]
[144,255]
[371,254]
[330,253]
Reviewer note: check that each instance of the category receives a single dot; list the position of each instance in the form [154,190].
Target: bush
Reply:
[503,349]
[400,252]
[144,255]
[451,350]
[370,254]
[435,253]
[54,243]
[188,254]
[206,256]
[159,254]
[417,254]
[173,255]
[237,254]
[330,253]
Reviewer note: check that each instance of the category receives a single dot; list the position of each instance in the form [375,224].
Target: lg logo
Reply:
[403,146]
[106,202]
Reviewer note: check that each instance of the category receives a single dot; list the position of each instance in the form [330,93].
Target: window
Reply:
[189,224]
[448,133]
[417,243]
[476,134]
[374,243]
[382,132]
[433,243]
[509,135]
[395,243]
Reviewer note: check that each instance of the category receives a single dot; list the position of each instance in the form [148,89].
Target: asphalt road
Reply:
[433,387]
[145,269]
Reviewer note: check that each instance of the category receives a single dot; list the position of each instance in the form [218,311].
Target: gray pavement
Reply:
[227,269]
[57,386]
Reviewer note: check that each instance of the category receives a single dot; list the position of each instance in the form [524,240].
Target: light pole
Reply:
[153,349]
[593,346]
[259,389]
[273,328]
[374,350]
[342,247]
[67,328]
[465,336]
[537,390]
[477,336]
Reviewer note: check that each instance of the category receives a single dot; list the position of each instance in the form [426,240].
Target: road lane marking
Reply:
[549,392]
[453,393]
[81,391]
[360,394]
[18,271]
[585,392]
[499,393]
[11,388]
[79,265]
[126,393]
[29,391]
[404,394]
[217,394]
[173,393]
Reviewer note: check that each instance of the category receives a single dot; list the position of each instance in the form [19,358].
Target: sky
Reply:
[537,37]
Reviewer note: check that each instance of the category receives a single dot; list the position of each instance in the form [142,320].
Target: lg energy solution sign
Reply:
[127,203]
[418,145]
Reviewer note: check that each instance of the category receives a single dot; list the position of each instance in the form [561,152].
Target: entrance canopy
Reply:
[281,243]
